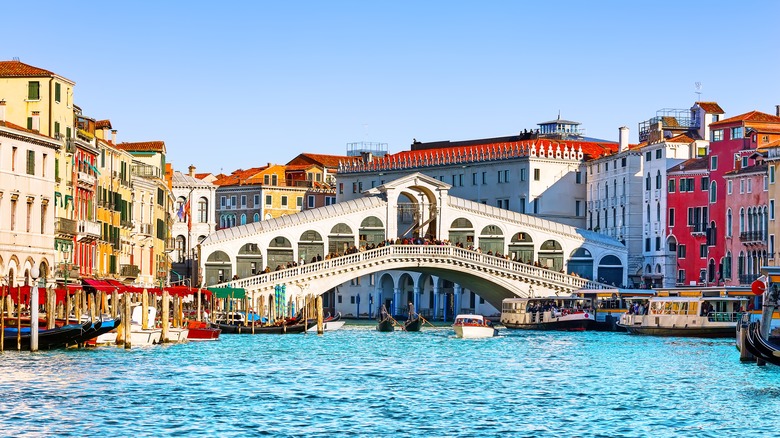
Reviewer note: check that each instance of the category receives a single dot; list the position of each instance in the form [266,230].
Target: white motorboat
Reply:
[469,326]
[140,336]
[548,313]
[328,326]
[707,317]
[177,335]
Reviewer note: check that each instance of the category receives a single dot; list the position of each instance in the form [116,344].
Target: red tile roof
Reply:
[711,107]
[202,175]
[103,124]
[682,138]
[240,177]
[18,128]
[143,146]
[753,116]
[328,161]
[18,69]
[692,164]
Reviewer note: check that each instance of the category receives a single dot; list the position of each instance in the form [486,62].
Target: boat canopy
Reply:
[228,292]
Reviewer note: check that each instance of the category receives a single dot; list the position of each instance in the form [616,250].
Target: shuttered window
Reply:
[31,162]
[33,90]
[57,92]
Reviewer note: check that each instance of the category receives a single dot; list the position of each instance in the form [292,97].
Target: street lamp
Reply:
[35,273]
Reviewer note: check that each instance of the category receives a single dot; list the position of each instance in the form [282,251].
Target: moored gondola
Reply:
[765,349]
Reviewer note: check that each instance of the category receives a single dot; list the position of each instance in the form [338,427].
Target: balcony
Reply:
[88,231]
[129,271]
[698,229]
[748,278]
[126,224]
[87,179]
[752,237]
[65,227]
[71,272]
[145,229]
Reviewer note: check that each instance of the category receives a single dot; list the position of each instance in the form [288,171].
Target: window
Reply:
[500,177]
[681,251]
[29,214]
[658,242]
[647,182]
[310,201]
[680,276]
[31,162]
[659,153]
[766,183]
[274,180]
[729,186]
[474,178]
[771,209]
[203,210]
[13,214]
[536,205]
[484,177]
[43,166]
[243,201]
[232,202]
[658,180]
[354,187]
[299,201]
[705,183]
[536,175]
[44,207]
[744,161]
[647,244]
[453,180]
[268,200]
[672,185]
[221,202]
[689,184]
[623,162]
[649,156]
[750,186]
[713,192]
[284,201]
[729,222]
[671,217]
[33,90]
[522,174]
[255,200]
[506,177]
[522,205]
[577,206]
[360,186]
[717,135]
[57,92]
[703,250]
[341,188]
[714,163]
[578,177]
[737,133]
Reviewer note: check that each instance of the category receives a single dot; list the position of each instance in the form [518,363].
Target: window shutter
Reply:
[29,123]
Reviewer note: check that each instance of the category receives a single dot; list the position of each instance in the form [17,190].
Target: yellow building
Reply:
[772,153]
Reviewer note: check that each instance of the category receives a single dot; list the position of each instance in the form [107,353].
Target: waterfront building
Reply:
[194,219]
[772,156]
[746,223]
[669,138]
[150,176]
[687,209]
[614,200]
[27,172]
[84,149]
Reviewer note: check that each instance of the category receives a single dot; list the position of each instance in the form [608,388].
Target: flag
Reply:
[187,214]
[180,213]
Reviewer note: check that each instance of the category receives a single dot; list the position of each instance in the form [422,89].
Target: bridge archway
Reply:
[551,255]
[462,232]
[611,270]
[280,252]
[218,267]
[581,263]
[371,232]
[521,248]
[340,239]
[249,260]
[491,240]
[311,247]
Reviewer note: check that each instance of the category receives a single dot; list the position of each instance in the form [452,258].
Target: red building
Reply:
[687,219]
[747,219]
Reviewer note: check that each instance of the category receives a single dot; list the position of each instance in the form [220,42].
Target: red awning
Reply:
[116,285]
[100,285]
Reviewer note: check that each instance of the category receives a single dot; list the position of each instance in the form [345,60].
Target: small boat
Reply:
[766,349]
[140,336]
[386,325]
[469,326]
[177,335]
[202,331]
[702,316]
[47,339]
[414,324]
[548,313]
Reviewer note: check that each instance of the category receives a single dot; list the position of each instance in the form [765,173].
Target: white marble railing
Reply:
[434,254]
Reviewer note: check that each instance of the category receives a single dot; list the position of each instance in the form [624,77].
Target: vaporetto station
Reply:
[441,247]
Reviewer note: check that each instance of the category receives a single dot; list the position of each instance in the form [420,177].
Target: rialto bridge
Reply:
[411,229]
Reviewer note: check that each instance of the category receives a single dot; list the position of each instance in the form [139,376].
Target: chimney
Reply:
[777,110]
[105,134]
[113,136]
[2,110]
[36,120]
[192,170]
[623,138]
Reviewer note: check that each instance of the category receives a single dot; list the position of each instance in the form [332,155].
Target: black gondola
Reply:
[279,329]
[386,325]
[414,324]
[48,339]
[765,349]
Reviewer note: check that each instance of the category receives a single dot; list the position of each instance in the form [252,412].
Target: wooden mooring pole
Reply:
[320,326]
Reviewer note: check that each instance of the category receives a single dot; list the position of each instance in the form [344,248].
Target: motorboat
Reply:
[140,336]
[548,313]
[202,331]
[697,316]
[470,326]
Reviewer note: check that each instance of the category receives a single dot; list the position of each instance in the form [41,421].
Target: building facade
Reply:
[194,219]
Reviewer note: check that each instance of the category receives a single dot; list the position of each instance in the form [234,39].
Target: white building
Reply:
[193,224]
[26,203]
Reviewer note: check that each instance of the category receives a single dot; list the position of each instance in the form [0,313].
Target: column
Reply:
[377,301]
[417,299]
[437,300]
[396,301]
[457,290]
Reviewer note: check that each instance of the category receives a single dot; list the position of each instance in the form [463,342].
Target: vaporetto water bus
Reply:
[702,316]
[548,313]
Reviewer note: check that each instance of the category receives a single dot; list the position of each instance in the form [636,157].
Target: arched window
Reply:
[658,180]
[713,192]
[648,212]
[728,222]
[180,213]
[647,182]
[741,220]
[203,210]
[657,211]
[243,219]
[256,217]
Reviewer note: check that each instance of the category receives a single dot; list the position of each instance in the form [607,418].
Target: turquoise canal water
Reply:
[358,382]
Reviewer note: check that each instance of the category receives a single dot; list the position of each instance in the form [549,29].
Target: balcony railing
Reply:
[86,178]
[88,230]
[752,236]
[65,226]
[126,224]
[698,229]
[145,229]
[748,278]
[129,271]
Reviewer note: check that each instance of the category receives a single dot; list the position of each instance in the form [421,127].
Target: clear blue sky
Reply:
[232,85]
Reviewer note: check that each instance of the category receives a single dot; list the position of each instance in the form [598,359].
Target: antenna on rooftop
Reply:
[698,91]
[15,58]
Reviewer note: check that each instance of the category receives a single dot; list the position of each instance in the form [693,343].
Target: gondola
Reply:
[47,339]
[762,348]
[288,327]
[386,325]
[414,324]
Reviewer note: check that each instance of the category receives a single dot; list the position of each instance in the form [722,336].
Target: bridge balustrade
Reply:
[431,251]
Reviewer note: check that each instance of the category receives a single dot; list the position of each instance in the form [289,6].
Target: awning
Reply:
[228,292]
[98,285]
